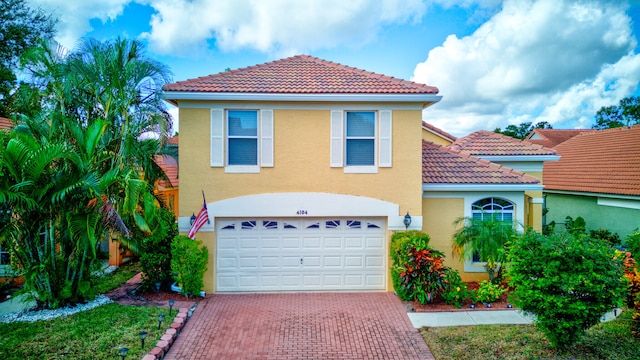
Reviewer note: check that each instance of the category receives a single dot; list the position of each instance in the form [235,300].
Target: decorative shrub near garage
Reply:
[568,281]
[189,262]
[418,271]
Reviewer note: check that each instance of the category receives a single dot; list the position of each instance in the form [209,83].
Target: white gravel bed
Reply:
[31,316]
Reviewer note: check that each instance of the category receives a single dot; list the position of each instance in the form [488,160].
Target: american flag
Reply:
[201,219]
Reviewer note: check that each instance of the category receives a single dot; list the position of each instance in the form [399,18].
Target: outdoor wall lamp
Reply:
[407,220]
[143,335]
[123,352]
[193,219]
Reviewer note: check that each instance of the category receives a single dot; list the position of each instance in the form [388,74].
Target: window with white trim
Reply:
[361,140]
[241,139]
[492,209]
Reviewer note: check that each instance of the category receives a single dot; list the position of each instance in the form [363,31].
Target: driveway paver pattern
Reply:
[300,326]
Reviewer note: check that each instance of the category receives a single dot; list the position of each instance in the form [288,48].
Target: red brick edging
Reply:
[171,334]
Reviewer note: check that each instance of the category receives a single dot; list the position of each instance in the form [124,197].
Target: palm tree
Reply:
[71,173]
[486,238]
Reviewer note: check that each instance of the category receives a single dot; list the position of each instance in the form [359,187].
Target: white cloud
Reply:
[546,60]
[277,26]
[74,16]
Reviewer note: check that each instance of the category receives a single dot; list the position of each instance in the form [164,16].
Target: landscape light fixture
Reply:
[123,352]
[193,218]
[143,335]
[171,302]
[157,287]
[407,220]
[160,319]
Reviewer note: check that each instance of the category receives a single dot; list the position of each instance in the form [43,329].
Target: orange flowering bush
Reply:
[632,273]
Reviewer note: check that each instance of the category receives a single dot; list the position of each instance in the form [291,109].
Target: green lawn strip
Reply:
[610,340]
[93,334]
[113,280]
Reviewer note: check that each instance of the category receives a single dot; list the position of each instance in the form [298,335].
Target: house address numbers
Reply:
[301,212]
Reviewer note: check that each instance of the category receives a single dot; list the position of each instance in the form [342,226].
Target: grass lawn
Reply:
[93,334]
[610,340]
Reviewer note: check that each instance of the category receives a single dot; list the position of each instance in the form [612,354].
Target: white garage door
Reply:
[300,254]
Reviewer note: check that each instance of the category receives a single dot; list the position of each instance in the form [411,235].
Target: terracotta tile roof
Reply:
[442,165]
[438,131]
[5,123]
[553,137]
[605,161]
[489,143]
[170,167]
[301,74]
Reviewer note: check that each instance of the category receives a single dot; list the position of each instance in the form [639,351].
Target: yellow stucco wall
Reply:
[301,164]
[434,138]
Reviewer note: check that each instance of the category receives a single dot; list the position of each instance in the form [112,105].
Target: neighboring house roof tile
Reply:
[442,165]
[553,137]
[301,74]
[5,123]
[489,143]
[605,161]
[438,131]
[170,167]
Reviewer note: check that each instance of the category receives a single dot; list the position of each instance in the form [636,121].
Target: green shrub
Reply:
[418,272]
[155,258]
[606,235]
[455,292]
[632,243]
[400,241]
[575,227]
[189,263]
[568,282]
[488,292]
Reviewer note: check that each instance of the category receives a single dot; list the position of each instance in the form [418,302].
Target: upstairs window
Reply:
[242,137]
[360,138]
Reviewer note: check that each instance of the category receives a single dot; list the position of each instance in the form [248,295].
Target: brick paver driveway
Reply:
[300,326]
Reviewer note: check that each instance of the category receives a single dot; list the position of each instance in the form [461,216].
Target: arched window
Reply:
[492,208]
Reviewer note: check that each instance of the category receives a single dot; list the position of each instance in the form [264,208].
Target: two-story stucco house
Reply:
[308,166]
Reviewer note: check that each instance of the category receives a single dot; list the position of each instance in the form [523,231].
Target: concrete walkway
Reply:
[480,317]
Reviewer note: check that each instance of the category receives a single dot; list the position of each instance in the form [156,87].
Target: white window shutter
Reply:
[217,137]
[337,141]
[266,138]
[385,139]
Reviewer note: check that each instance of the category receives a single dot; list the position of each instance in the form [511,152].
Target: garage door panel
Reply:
[329,254]
[353,261]
[351,243]
[332,243]
[289,243]
[269,243]
[332,261]
[248,263]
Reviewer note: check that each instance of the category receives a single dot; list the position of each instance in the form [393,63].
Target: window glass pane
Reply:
[332,224]
[243,123]
[360,123]
[249,224]
[243,151]
[353,224]
[360,152]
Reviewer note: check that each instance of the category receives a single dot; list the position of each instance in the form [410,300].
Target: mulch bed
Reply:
[438,305]
[128,294]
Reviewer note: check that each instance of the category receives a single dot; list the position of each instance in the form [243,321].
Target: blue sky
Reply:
[495,62]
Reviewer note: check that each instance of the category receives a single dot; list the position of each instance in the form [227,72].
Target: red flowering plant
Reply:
[632,272]
[424,276]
